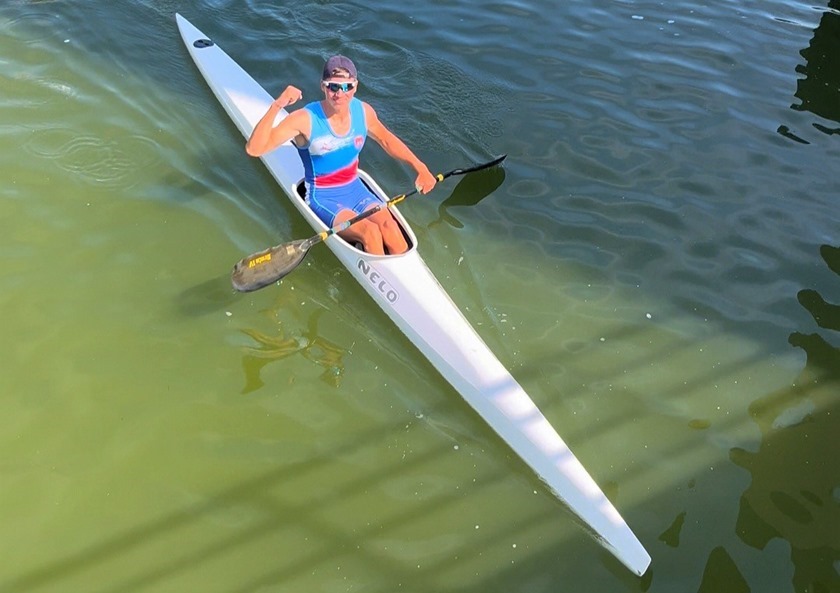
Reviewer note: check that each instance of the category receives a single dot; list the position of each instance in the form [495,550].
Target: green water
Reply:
[657,266]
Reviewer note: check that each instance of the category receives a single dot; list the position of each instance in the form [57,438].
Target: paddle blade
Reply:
[269,265]
[486,165]
[469,192]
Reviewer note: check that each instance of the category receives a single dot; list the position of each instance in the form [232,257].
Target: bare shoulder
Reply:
[370,112]
[374,124]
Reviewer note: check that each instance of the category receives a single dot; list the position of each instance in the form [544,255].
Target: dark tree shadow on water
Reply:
[819,86]
[820,82]
[795,477]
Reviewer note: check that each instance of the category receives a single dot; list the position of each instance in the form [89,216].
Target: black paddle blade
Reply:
[469,192]
[486,165]
[269,265]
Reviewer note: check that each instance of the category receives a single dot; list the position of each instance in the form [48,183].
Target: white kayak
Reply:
[407,291]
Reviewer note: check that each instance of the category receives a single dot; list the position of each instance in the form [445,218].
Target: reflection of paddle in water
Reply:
[469,192]
[310,345]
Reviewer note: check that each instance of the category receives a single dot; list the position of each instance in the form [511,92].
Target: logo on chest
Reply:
[326,144]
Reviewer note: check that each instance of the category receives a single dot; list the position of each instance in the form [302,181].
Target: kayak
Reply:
[407,291]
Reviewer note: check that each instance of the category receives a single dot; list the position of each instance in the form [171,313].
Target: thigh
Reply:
[326,205]
[327,202]
[366,201]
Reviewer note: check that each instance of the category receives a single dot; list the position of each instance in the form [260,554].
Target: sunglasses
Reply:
[344,87]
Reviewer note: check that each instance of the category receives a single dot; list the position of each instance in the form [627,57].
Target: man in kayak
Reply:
[329,134]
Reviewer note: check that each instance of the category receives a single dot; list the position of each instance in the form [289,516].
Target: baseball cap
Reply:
[339,62]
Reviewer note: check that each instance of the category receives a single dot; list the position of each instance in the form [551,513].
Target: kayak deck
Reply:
[411,296]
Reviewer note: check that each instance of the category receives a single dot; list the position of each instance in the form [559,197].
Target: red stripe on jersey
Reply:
[340,177]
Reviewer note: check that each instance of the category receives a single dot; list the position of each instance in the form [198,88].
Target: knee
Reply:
[371,238]
[393,236]
[389,225]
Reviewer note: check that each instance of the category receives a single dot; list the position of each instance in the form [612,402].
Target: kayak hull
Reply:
[407,291]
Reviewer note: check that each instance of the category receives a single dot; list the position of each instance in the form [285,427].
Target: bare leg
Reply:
[390,231]
[365,232]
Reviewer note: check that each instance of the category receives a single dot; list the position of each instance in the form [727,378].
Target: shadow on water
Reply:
[251,492]
[207,297]
[819,86]
[469,192]
[277,507]
[797,421]
[794,489]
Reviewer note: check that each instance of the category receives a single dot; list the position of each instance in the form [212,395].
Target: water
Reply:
[657,265]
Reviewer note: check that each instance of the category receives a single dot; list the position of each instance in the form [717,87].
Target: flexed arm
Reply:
[266,136]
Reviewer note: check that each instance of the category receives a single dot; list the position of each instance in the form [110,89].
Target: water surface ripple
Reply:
[658,264]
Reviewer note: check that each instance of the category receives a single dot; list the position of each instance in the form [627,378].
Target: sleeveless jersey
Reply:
[330,160]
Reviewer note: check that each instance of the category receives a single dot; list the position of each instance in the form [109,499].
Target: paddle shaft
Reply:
[269,265]
[393,201]
[369,212]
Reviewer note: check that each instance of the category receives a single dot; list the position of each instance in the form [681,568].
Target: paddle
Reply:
[270,265]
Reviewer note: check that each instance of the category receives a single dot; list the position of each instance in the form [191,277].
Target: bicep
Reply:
[293,125]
